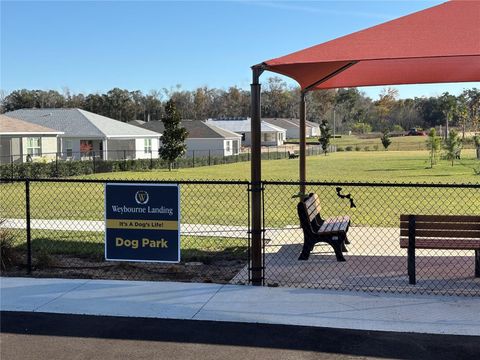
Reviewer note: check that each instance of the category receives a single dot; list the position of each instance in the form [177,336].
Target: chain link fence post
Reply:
[28,227]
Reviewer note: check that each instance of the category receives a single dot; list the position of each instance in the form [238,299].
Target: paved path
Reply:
[246,304]
[99,226]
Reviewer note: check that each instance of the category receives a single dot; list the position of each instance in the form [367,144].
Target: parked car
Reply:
[416,132]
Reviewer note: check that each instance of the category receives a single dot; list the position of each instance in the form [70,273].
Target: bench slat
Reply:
[330,226]
[443,233]
[443,218]
[452,244]
[440,226]
[312,214]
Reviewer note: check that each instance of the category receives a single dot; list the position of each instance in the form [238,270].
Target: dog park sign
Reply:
[142,222]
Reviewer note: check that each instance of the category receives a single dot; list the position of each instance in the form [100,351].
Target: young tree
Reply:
[174,135]
[453,146]
[433,146]
[325,135]
[476,139]
[386,141]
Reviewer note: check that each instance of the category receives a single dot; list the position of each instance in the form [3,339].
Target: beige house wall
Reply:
[48,146]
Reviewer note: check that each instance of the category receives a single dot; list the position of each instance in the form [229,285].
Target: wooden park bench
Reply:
[292,155]
[439,232]
[332,231]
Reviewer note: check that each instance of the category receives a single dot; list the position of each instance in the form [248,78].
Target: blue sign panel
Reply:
[142,222]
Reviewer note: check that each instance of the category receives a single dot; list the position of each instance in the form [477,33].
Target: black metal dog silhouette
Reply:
[348,196]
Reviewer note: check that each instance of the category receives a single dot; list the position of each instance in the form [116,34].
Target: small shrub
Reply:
[375,147]
[44,260]
[349,148]
[366,148]
[8,254]
[357,148]
[340,148]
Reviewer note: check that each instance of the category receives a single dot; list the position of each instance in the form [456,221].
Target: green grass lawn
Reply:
[228,204]
[399,143]
[373,166]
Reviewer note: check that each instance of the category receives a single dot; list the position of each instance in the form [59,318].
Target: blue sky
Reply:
[93,46]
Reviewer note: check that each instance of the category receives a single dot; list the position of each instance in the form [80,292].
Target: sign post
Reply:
[142,222]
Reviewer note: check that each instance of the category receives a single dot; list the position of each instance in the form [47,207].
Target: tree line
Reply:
[345,109]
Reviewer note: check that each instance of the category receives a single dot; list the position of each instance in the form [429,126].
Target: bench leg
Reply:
[337,247]
[307,248]
[477,263]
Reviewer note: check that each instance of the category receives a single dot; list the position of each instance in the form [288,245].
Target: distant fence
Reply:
[57,229]
[58,165]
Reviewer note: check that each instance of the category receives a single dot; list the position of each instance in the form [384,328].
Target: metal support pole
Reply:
[256,179]
[303,142]
[29,233]
[193,158]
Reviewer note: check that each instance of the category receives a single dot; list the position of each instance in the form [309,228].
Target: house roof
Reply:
[284,123]
[136,122]
[80,123]
[196,129]
[11,126]
[243,125]
[297,122]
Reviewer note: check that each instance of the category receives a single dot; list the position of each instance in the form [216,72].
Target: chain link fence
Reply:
[66,219]
[61,164]
[374,261]
[67,232]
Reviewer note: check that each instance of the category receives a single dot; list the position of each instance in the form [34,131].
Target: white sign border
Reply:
[105,222]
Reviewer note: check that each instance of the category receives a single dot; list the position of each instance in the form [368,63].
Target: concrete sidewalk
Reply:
[289,306]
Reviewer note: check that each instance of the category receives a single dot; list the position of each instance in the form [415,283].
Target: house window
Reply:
[147,146]
[228,146]
[69,147]
[235,147]
[33,146]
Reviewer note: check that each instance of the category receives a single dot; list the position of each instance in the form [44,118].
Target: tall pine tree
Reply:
[174,135]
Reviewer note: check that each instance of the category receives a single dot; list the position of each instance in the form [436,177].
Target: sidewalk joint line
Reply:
[211,297]
[59,296]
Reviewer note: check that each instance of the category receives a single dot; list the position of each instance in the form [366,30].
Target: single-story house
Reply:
[21,141]
[272,135]
[293,127]
[85,134]
[204,139]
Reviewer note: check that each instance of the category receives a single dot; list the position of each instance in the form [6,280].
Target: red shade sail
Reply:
[435,45]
